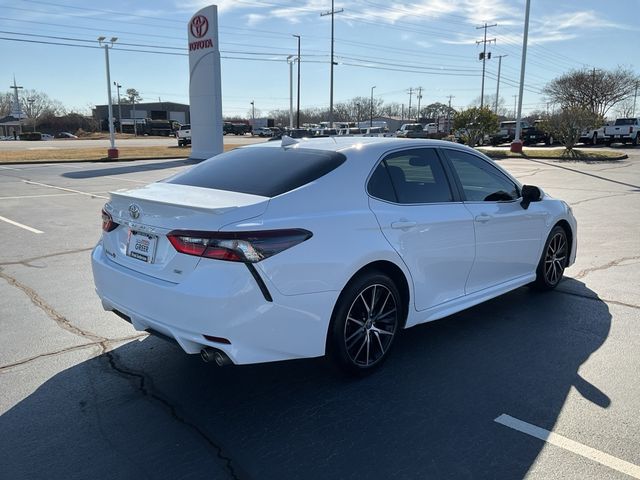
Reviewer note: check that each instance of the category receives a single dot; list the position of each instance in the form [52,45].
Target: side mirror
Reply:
[530,193]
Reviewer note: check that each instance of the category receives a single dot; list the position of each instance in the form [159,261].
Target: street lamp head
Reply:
[101,39]
[113,39]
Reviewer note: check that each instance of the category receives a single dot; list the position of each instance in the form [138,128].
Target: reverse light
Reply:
[107,222]
[246,247]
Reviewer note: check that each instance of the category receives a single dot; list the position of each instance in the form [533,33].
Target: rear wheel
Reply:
[365,323]
[554,260]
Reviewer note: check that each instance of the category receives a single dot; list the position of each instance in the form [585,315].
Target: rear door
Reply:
[507,236]
[424,222]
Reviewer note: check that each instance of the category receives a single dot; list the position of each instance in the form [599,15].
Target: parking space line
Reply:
[26,227]
[17,197]
[30,182]
[9,168]
[570,445]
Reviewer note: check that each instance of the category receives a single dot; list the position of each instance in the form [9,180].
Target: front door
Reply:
[424,222]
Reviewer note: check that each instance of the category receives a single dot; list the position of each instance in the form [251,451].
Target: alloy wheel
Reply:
[555,258]
[371,325]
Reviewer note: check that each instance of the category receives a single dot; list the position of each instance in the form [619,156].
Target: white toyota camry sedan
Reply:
[328,246]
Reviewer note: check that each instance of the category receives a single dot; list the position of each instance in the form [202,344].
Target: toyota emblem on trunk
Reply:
[134,210]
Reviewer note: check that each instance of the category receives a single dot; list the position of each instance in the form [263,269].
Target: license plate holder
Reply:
[141,246]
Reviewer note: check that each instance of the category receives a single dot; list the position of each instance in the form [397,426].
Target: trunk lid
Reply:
[145,215]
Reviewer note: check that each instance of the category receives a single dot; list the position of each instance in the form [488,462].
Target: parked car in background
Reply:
[593,136]
[46,136]
[65,135]
[406,128]
[236,128]
[533,134]
[506,132]
[421,229]
[263,132]
[183,134]
[624,130]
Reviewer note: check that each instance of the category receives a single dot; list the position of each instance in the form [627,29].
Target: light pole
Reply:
[498,87]
[290,60]
[358,114]
[516,145]
[118,87]
[30,101]
[371,111]
[253,115]
[113,151]
[298,104]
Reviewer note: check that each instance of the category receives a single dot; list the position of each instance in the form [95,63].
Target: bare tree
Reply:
[567,124]
[6,100]
[625,107]
[595,90]
[37,105]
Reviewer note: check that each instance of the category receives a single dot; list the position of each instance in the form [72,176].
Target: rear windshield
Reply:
[185,127]
[626,121]
[267,172]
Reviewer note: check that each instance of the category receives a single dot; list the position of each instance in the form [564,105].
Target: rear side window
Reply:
[411,176]
[267,172]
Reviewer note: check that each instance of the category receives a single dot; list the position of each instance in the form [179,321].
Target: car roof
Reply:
[377,144]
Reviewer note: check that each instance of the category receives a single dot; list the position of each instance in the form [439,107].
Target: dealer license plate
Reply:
[142,246]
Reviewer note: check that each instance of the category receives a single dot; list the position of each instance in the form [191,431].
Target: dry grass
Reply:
[556,154]
[96,153]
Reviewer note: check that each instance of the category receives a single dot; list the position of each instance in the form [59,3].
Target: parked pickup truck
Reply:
[408,128]
[593,136]
[624,130]
[183,134]
[507,132]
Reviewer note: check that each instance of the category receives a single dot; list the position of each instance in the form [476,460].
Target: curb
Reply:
[99,160]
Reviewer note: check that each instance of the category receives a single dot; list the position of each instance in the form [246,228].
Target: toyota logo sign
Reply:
[134,210]
[199,26]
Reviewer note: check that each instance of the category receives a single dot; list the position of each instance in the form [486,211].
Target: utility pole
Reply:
[483,55]
[419,98]
[290,61]
[402,113]
[449,114]
[253,113]
[113,151]
[298,106]
[410,95]
[16,111]
[358,114]
[371,110]
[635,97]
[118,87]
[30,101]
[498,87]
[133,113]
[516,145]
[332,13]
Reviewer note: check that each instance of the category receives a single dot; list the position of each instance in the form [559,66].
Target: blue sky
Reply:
[394,46]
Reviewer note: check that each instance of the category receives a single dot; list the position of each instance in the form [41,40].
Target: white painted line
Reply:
[26,227]
[65,189]
[570,445]
[38,196]
[127,179]
[9,168]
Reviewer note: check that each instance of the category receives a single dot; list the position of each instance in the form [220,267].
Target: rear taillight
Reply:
[107,222]
[248,247]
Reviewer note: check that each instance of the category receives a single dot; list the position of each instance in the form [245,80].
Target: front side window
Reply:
[481,182]
[411,176]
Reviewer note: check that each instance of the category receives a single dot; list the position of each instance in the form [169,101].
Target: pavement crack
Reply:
[598,299]
[612,263]
[60,320]
[26,262]
[573,204]
[103,346]
[145,387]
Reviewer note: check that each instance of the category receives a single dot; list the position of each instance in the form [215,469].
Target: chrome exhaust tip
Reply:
[209,354]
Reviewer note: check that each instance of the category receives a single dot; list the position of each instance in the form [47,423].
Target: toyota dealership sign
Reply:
[205,96]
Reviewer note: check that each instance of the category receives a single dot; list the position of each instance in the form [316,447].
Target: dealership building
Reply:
[153,110]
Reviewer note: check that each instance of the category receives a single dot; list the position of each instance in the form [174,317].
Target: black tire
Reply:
[366,319]
[594,140]
[553,261]
[634,142]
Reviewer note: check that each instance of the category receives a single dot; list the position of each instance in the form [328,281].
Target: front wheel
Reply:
[554,260]
[365,323]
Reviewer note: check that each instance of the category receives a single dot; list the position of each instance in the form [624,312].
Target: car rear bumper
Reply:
[218,299]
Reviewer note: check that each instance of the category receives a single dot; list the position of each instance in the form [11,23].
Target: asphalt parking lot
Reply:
[471,396]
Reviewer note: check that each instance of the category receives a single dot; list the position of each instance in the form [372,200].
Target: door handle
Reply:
[403,224]
[483,218]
